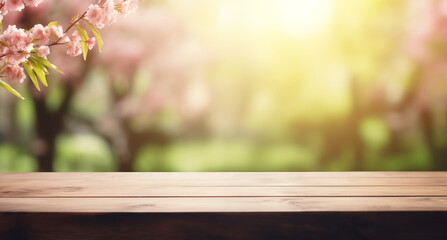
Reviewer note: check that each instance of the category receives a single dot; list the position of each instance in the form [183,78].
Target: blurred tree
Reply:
[146,72]
[426,45]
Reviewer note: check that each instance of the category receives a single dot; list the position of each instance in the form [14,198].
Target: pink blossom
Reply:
[95,15]
[74,47]
[40,33]
[18,44]
[75,37]
[15,58]
[101,15]
[128,6]
[15,38]
[32,3]
[110,12]
[43,51]
[14,5]
[91,43]
[3,12]
[14,73]
[56,32]
[65,39]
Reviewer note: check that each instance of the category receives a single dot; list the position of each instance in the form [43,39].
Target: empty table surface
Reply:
[223,192]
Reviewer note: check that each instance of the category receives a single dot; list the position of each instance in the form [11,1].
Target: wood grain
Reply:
[223,192]
[221,204]
[310,205]
[9,182]
[140,190]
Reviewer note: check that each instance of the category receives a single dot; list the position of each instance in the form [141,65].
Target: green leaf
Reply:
[1,26]
[41,65]
[84,49]
[44,69]
[96,33]
[3,43]
[10,89]
[45,62]
[82,32]
[39,72]
[74,18]
[54,23]
[31,75]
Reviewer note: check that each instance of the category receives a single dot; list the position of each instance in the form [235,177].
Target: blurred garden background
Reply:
[239,85]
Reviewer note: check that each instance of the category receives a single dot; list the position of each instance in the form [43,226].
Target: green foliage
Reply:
[83,153]
[54,23]
[225,155]
[96,33]
[31,75]
[375,133]
[13,160]
[40,71]
[36,68]
[286,157]
[84,48]
[151,159]
[84,37]
[42,61]
[10,89]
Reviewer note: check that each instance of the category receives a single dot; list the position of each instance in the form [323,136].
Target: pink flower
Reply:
[14,73]
[74,47]
[65,39]
[95,15]
[91,42]
[56,32]
[128,6]
[15,38]
[15,58]
[101,15]
[32,3]
[110,12]
[18,44]
[3,12]
[40,33]
[43,51]
[14,5]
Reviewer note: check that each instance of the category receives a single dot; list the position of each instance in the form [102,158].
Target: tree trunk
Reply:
[49,124]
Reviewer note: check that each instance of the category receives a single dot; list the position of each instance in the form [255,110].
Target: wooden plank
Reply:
[141,190]
[221,204]
[16,182]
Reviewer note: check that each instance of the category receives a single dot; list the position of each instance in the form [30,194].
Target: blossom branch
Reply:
[28,49]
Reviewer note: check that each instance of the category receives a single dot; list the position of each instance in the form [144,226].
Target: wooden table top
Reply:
[223,192]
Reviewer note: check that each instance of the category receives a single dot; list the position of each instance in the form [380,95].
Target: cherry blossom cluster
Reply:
[16,5]
[17,45]
[27,50]
[105,12]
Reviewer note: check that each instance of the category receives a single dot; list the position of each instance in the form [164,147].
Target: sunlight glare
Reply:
[304,17]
